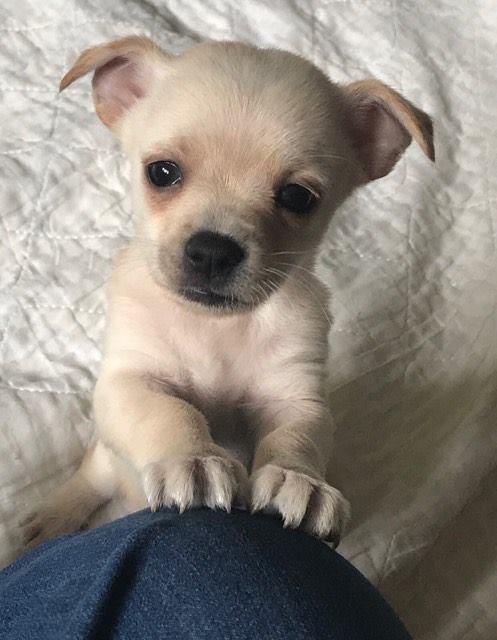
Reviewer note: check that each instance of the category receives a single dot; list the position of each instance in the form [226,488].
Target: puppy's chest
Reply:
[218,379]
[215,373]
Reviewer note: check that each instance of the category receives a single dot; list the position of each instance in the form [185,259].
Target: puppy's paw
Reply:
[215,481]
[301,500]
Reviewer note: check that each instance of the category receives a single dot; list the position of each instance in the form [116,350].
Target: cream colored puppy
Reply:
[214,370]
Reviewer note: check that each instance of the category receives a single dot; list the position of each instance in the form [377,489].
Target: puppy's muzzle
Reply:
[209,262]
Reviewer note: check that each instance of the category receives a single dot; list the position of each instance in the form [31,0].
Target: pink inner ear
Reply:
[379,138]
[118,85]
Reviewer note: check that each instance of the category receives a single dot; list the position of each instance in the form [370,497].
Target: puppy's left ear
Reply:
[123,73]
[382,124]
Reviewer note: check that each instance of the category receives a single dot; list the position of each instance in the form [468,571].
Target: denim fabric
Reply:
[200,575]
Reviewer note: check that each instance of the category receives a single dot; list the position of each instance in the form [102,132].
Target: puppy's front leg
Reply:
[290,466]
[167,440]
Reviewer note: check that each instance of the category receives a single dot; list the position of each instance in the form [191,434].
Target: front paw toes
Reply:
[192,481]
[301,500]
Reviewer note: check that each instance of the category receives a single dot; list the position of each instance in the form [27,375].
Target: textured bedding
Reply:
[411,261]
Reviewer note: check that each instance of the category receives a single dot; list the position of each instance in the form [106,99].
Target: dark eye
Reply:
[296,198]
[164,173]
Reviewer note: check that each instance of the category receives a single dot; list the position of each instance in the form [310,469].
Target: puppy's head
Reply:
[239,158]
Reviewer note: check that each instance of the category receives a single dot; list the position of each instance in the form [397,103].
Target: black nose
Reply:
[212,254]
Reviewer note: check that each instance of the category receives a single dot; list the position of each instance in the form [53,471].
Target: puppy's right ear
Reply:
[124,71]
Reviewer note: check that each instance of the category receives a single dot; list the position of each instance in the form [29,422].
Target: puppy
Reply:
[212,389]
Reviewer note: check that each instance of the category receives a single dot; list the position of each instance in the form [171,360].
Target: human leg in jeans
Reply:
[202,575]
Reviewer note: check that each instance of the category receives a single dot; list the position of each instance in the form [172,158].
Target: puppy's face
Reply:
[237,164]
[239,158]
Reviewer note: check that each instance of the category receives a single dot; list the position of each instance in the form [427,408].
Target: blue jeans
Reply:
[202,575]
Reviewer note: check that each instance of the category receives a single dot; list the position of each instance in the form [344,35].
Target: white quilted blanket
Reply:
[411,261]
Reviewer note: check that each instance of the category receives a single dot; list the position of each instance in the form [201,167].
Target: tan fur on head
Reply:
[215,358]
[241,122]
